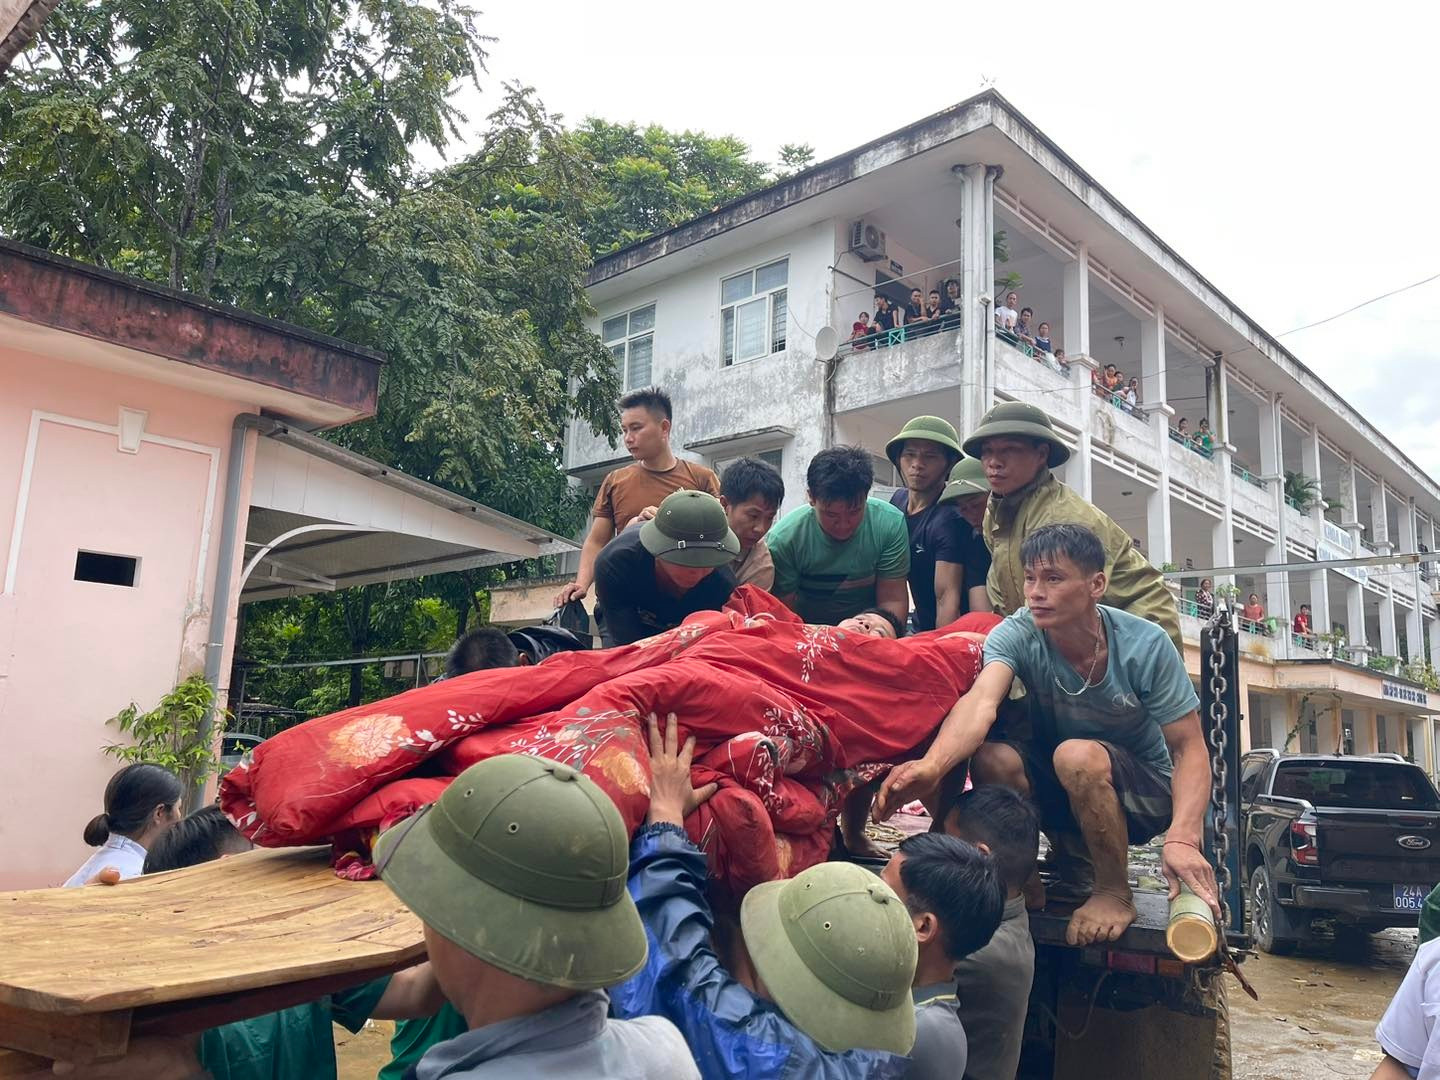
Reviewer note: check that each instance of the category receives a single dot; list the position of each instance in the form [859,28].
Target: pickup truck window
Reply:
[1366,785]
[1250,773]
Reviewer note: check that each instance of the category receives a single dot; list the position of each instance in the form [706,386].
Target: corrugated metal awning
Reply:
[324,518]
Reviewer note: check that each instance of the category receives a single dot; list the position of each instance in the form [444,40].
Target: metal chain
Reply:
[1219,714]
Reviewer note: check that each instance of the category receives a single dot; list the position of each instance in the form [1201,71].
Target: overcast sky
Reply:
[1287,154]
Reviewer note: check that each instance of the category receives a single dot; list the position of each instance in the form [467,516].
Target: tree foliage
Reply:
[652,179]
[262,153]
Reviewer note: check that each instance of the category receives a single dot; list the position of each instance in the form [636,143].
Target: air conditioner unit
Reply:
[867,241]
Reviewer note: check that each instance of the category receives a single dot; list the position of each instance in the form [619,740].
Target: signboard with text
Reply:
[1411,695]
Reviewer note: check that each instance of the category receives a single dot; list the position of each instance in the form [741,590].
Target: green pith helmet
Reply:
[1022,421]
[836,949]
[923,427]
[522,862]
[966,478]
[690,529]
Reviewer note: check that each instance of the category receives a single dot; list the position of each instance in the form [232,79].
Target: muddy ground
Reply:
[1317,1010]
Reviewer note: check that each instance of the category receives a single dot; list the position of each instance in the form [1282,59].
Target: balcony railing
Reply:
[1048,359]
[1246,475]
[1295,505]
[881,339]
[1190,443]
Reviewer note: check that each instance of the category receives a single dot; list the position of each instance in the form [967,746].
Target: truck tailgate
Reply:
[1378,846]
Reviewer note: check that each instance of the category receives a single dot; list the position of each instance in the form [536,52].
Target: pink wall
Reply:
[73,653]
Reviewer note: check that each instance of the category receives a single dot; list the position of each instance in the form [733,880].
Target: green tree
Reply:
[794,158]
[652,179]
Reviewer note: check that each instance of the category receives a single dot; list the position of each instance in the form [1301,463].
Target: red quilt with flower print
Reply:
[787,718]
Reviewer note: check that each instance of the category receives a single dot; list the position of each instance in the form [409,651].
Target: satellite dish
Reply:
[827,343]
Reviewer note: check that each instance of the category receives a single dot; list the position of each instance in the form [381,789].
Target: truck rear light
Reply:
[1304,843]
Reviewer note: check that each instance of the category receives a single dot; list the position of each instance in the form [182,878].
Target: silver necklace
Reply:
[1086,684]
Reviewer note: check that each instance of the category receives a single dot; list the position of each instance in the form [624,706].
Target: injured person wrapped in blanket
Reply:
[788,718]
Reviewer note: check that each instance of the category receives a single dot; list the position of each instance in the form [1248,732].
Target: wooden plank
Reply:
[257,920]
[201,1014]
[96,1037]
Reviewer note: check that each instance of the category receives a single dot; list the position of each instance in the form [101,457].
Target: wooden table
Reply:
[82,971]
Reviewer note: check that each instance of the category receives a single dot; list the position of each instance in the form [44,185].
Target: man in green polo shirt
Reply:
[1018,446]
[845,552]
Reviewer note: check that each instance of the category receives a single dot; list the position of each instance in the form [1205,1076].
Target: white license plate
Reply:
[1409,897]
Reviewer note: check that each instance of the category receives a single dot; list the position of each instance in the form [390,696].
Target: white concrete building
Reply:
[724,312]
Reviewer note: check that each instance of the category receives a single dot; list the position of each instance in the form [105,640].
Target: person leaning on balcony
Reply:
[915,309]
[924,453]
[1302,620]
[884,319]
[1203,438]
[1005,314]
[1023,330]
[861,329]
[1018,446]
[645,417]
[1042,338]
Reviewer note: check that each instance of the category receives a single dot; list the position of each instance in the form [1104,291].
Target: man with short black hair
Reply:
[874,622]
[844,552]
[955,897]
[1018,447]
[884,318]
[481,649]
[1005,314]
[915,309]
[645,418]
[677,563]
[993,983]
[751,492]
[1022,328]
[1116,749]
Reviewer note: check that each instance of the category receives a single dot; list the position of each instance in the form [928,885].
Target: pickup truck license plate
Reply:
[1409,897]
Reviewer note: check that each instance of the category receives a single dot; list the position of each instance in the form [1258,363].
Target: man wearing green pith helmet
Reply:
[947,578]
[518,874]
[1018,447]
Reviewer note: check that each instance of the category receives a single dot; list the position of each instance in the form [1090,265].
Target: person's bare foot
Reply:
[1102,918]
[1034,892]
[861,847]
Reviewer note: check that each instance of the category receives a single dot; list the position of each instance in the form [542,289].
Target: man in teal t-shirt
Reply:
[844,553]
[1115,752]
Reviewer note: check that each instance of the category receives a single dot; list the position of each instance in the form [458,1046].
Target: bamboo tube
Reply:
[1191,933]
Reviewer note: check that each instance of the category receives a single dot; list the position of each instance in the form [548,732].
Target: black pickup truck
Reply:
[1356,839]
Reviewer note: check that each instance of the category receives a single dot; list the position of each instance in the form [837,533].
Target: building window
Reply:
[106,569]
[631,341]
[753,312]
[774,458]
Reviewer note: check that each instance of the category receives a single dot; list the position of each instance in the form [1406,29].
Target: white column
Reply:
[1158,542]
[977,279]
[1272,469]
[1389,640]
[1355,635]
[1409,541]
[1380,538]
[1152,361]
[1077,304]
[1319,585]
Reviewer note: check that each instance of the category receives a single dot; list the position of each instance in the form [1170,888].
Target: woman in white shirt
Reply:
[141,802]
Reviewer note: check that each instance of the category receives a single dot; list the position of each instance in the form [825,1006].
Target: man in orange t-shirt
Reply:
[656,472]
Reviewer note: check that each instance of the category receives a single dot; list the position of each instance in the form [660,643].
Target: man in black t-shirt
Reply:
[968,491]
[648,579]
[924,452]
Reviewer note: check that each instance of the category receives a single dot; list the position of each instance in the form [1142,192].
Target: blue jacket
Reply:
[731,1032]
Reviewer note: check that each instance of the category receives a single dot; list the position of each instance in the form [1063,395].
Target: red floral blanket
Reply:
[787,719]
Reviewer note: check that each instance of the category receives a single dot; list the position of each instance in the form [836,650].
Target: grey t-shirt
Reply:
[993,985]
[939,1052]
[572,1041]
[1144,686]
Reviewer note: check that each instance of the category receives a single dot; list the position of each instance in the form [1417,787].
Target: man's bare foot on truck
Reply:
[854,812]
[1102,918]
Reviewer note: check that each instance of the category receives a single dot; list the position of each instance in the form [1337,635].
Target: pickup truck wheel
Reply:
[1267,917]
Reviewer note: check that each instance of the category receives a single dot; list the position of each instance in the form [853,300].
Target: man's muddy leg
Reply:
[1083,768]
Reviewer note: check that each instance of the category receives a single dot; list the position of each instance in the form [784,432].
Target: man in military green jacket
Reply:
[1018,446]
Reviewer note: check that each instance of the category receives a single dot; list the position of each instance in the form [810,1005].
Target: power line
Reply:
[1363,303]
